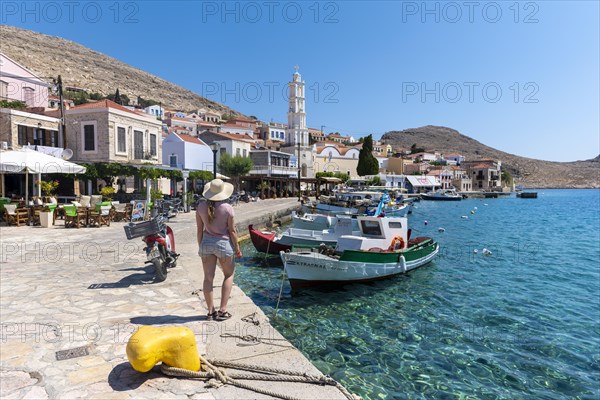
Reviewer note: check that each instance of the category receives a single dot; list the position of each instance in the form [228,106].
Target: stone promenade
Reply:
[79,294]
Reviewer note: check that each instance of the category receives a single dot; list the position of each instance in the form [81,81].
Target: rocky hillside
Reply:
[49,56]
[527,171]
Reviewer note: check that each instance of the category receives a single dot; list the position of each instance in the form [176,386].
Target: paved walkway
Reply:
[85,291]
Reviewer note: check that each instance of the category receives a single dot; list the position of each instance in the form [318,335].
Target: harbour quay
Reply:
[71,299]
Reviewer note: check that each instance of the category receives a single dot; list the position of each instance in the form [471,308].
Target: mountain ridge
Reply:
[80,66]
[529,172]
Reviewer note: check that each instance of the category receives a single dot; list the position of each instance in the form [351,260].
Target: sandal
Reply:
[223,315]
[211,316]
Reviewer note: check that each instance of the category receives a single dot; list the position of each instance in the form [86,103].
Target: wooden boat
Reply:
[382,249]
[273,243]
[527,195]
[442,195]
[312,221]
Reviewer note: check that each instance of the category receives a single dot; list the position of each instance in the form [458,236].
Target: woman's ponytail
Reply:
[211,211]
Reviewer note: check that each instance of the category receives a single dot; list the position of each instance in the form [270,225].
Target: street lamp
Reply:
[215,148]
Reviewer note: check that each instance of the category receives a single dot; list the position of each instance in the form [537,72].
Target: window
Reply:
[22,135]
[138,145]
[370,228]
[173,160]
[121,140]
[28,94]
[153,151]
[245,153]
[89,138]
[395,225]
[237,151]
[3,90]
[53,138]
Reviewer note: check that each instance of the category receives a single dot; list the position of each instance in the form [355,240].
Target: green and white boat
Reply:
[383,249]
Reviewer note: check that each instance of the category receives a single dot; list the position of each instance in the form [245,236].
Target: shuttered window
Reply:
[89,139]
[121,140]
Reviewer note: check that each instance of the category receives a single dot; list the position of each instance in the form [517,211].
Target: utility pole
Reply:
[63,133]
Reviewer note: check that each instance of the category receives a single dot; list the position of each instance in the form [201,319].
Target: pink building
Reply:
[20,84]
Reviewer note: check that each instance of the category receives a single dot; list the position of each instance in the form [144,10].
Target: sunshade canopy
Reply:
[34,162]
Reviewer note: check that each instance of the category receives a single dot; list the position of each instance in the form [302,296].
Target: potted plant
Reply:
[107,193]
[47,214]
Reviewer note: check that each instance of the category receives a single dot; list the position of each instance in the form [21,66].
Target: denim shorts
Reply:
[217,246]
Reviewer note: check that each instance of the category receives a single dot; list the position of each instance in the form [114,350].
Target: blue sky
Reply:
[521,77]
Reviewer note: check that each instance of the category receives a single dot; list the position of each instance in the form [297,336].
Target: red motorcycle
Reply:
[160,244]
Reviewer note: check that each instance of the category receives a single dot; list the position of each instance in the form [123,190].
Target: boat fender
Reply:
[441,230]
[426,222]
[397,244]
[402,261]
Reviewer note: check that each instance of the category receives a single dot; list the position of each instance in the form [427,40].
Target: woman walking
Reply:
[217,240]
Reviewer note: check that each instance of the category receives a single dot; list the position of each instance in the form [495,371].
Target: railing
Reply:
[270,170]
[53,151]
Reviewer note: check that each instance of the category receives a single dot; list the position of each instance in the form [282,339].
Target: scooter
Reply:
[160,244]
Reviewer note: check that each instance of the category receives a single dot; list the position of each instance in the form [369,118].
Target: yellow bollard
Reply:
[173,345]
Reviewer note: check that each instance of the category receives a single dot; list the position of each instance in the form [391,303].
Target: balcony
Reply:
[274,170]
[53,151]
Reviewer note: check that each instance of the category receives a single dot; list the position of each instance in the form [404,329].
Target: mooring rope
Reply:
[217,377]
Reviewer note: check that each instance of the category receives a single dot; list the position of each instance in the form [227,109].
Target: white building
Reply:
[297,136]
[155,110]
[187,152]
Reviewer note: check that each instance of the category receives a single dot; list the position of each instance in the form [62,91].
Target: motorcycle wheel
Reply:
[160,269]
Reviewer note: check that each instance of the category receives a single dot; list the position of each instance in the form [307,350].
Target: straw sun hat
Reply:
[217,190]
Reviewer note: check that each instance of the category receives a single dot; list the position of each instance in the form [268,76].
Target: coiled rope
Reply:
[217,377]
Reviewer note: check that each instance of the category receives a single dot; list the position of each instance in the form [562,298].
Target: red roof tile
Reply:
[233,136]
[190,139]
[102,104]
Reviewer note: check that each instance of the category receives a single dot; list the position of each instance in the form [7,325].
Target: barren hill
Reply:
[527,171]
[49,56]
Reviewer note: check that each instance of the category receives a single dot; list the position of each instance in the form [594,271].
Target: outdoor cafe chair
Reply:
[75,217]
[101,216]
[85,201]
[122,212]
[16,216]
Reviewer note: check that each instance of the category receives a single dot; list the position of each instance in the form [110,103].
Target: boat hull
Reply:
[265,241]
[306,269]
[440,198]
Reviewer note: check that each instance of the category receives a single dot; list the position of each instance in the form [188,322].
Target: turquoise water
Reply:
[522,323]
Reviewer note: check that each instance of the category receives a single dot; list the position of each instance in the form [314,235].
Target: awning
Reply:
[330,179]
[422,181]
[34,162]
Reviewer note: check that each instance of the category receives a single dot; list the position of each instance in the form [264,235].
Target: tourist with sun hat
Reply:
[217,240]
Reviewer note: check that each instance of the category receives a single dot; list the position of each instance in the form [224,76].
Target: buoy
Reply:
[441,230]
[172,345]
[472,212]
[486,252]
[464,217]
[426,222]
[474,208]
[485,204]
[475,251]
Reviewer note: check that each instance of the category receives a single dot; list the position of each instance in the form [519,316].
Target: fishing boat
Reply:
[382,248]
[346,202]
[312,221]
[442,194]
[273,243]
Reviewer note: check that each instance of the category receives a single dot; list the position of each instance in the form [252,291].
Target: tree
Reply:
[117,98]
[235,167]
[367,163]
[415,149]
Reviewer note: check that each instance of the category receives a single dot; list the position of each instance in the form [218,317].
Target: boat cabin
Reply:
[376,232]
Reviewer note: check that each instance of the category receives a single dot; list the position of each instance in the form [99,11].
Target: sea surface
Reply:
[521,323]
